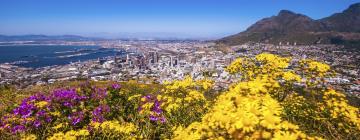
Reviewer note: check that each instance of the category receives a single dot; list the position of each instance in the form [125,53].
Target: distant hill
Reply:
[287,26]
[44,38]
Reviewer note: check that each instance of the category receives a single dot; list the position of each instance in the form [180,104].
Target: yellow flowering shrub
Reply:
[291,76]
[271,101]
[114,129]
[181,94]
[314,72]
[239,115]
[250,68]
[70,135]
[272,62]
[29,137]
[206,84]
[236,66]
[331,116]
[243,66]
[318,67]
[337,106]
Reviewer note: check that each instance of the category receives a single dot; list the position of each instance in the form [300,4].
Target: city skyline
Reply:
[180,19]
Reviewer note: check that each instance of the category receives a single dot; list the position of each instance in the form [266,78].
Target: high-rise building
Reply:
[154,58]
[127,58]
[170,62]
[174,61]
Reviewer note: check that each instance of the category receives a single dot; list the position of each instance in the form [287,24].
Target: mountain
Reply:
[44,38]
[287,26]
[347,21]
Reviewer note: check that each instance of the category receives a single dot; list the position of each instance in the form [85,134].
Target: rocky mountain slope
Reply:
[290,27]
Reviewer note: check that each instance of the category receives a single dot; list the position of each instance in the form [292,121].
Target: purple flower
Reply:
[99,93]
[23,110]
[162,119]
[115,86]
[48,119]
[18,128]
[156,109]
[75,121]
[37,97]
[148,96]
[99,112]
[64,101]
[67,98]
[76,117]
[37,123]
[27,107]
[41,113]
[67,104]
[153,118]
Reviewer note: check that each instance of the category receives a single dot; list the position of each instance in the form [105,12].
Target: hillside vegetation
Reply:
[268,101]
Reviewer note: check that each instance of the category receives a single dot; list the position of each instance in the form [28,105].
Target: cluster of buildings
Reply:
[159,61]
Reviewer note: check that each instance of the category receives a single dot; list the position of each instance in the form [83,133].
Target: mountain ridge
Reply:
[288,26]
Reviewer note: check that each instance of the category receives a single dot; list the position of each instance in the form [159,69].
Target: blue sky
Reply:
[173,18]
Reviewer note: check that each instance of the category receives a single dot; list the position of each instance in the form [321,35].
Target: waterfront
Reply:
[35,56]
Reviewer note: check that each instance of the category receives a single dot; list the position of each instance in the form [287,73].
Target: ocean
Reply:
[36,56]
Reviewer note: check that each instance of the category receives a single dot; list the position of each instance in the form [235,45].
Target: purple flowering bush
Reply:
[108,111]
[74,108]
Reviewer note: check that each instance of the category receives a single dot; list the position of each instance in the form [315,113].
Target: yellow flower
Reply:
[290,76]
[58,126]
[281,135]
[136,96]
[41,104]
[56,113]
[318,67]
[270,121]
[29,137]
[272,61]
[266,135]
[62,136]
[96,125]
[83,132]
[143,99]
[114,127]
[235,66]
[159,97]
[206,84]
